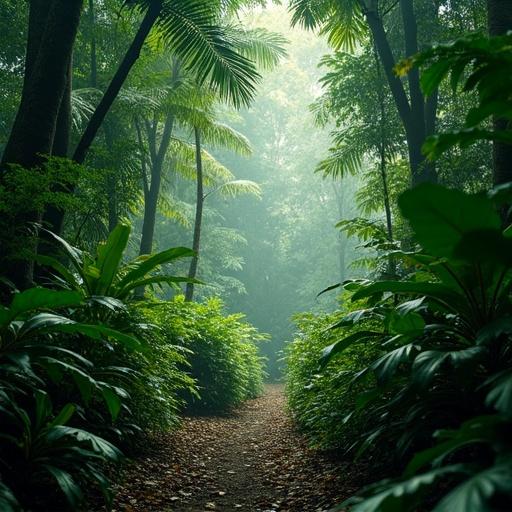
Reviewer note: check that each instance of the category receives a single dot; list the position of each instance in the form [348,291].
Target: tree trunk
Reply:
[151,199]
[46,79]
[34,127]
[53,217]
[411,113]
[93,77]
[196,243]
[117,82]
[500,22]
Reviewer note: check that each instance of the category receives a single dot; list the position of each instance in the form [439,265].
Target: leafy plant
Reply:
[481,64]
[35,357]
[221,351]
[105,274]
[446,370]
[317,397]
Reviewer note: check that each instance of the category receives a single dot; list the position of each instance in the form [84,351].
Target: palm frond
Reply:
[193,32]
[263,47]
[220,135]
[236,188]
[343,160]
[310,14]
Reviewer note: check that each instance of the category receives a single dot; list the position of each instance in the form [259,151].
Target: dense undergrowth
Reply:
[417,366]
[86,367]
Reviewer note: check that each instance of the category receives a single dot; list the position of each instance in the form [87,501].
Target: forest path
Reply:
[252,460]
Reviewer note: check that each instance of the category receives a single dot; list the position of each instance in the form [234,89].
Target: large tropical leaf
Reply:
[440,217]
[192,31]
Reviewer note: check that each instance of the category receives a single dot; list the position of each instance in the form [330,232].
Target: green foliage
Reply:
[482,64]
[221,351]
[317,397]
[105,274]
[162,371]
[443,383]
[38,451]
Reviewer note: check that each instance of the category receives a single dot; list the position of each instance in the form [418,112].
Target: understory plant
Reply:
[221,351]
[442,393]
[317,397]
[39,450]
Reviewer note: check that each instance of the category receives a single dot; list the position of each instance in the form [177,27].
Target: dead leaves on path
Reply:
[251,461]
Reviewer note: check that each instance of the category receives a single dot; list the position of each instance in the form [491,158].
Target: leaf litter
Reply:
[252,460]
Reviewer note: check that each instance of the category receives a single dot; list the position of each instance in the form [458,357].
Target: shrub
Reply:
[221,351]
[38,450]
[317,397]
[443,387]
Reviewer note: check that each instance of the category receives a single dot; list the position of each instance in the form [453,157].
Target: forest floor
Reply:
[253,460]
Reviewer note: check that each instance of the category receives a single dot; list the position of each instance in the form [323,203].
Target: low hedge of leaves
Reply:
[317,396]
[221,351]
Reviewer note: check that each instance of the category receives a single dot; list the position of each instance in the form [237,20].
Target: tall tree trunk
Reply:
[117,82]
[93,77]
[45,83]
[500,22]
[196,243]
[34,127]
[412,114]
[151,200]
[113,213]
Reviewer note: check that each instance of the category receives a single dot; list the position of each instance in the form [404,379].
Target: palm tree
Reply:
[192,32]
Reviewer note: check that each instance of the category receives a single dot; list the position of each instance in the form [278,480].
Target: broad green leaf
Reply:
[475,494]
[433,290]
[440,217]
[42,298]
[141,267]
[64,415]
[112,401]
[408,323]
[110,255]
[329,352]
[386,367]
[482,429]
[429,363]
[67,484]
[500,393]
[399,496]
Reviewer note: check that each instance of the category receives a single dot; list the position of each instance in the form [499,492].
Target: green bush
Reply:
[442,390]
[221,351]
[318,398]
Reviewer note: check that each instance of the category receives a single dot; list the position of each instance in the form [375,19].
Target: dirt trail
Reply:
[252,460]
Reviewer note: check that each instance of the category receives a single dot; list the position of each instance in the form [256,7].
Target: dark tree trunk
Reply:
[413,113]
[196,243]
[500,22]
[153,191]
[93,78]
[46,79]
[34,127]
[53,218]
[117,82]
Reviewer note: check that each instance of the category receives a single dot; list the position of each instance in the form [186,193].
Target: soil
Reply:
[252,460]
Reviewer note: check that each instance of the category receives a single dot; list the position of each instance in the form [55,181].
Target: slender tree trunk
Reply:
[117,82]
[411,113]
[45,83]
[500,22]
[151,202]
[93,77]
[196,243]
